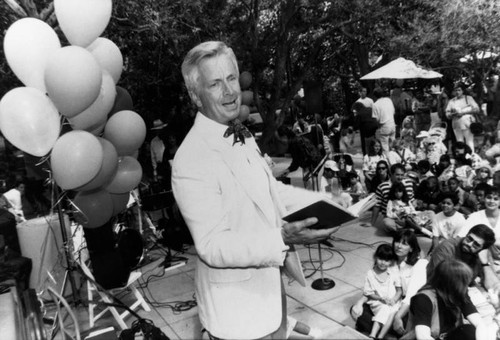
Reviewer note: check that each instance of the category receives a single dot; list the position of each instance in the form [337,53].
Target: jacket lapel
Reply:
[236,160]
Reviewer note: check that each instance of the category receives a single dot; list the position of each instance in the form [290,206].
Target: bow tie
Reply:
[239,130]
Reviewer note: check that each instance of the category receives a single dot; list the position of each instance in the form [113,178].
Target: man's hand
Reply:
[299,232]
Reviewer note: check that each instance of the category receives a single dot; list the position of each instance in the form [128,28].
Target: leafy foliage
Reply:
[285,43]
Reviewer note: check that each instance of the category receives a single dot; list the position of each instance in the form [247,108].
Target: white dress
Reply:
[385,288]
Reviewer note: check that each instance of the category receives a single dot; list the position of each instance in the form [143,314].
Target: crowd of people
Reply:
[433,176]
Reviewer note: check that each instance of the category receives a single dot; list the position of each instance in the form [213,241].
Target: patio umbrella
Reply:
[401,68]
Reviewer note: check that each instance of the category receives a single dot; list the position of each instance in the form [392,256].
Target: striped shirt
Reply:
[382,193]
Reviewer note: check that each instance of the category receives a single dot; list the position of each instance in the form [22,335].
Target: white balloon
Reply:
[96,114]
[73,79]
[29,120]
[108,55]
[28,44]
[82,21]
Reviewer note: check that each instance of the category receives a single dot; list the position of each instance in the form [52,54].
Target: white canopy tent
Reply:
[401,68]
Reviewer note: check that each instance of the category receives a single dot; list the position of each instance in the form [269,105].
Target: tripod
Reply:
[322,283]
[68,273]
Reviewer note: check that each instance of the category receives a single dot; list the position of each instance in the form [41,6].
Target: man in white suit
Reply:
[233,207]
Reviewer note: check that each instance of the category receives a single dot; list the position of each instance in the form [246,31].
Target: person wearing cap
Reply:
[460,110]
[157,146]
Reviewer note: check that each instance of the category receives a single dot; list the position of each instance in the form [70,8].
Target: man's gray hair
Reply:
[208,49]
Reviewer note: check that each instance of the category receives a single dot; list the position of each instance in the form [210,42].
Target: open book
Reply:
[329,213]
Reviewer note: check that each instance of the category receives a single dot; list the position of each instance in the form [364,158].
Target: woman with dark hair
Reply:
[436,310]
[407,252]
[461,110]
[371,163]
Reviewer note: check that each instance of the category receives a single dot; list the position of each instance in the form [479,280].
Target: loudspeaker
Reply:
[130,247]
[101,239]
[313,97]
[108,269]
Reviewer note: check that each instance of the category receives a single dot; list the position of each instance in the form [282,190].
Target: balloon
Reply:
[126,130]
[28,44]
[247,98]
[244,113]
[245,80]
[135,154]
[93,208]
[82,21]
[98,130]
[127,177]
[108,168]
[108,55]
[76,158]
[29,120]
[73,79]
[97,113]
[123,101]
[120,202]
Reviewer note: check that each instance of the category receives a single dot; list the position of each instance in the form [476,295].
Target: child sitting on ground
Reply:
[383,290]
[401,213]
[447,223]
[356,189]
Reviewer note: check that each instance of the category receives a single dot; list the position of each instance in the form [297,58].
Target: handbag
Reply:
[476,126]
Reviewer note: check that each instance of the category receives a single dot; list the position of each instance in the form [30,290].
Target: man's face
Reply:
[398,175]
[472,244]
[219,93]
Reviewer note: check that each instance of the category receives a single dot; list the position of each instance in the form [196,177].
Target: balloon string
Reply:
[77,211]
[43,160]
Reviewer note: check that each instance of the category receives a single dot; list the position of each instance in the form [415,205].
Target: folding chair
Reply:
[106,297]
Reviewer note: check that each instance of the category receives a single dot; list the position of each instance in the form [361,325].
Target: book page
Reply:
[362,205]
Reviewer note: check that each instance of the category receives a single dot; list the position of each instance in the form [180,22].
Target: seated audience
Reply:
[383,290]
[382,174]
[436,310]
[382,192]
[427,194]
[400,154]
[490,217]
[447,223]
[398,208]
[355,188]
[370,161]
[463,196]
[465,249]
[408,262]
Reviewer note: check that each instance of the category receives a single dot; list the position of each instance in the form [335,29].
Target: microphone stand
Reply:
[322,283]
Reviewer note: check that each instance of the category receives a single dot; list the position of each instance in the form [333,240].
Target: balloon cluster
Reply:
[98,157]
[246,95]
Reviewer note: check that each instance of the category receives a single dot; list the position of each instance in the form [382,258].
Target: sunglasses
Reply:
[381,168]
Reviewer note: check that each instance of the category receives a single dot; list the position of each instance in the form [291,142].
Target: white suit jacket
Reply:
[236,229]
